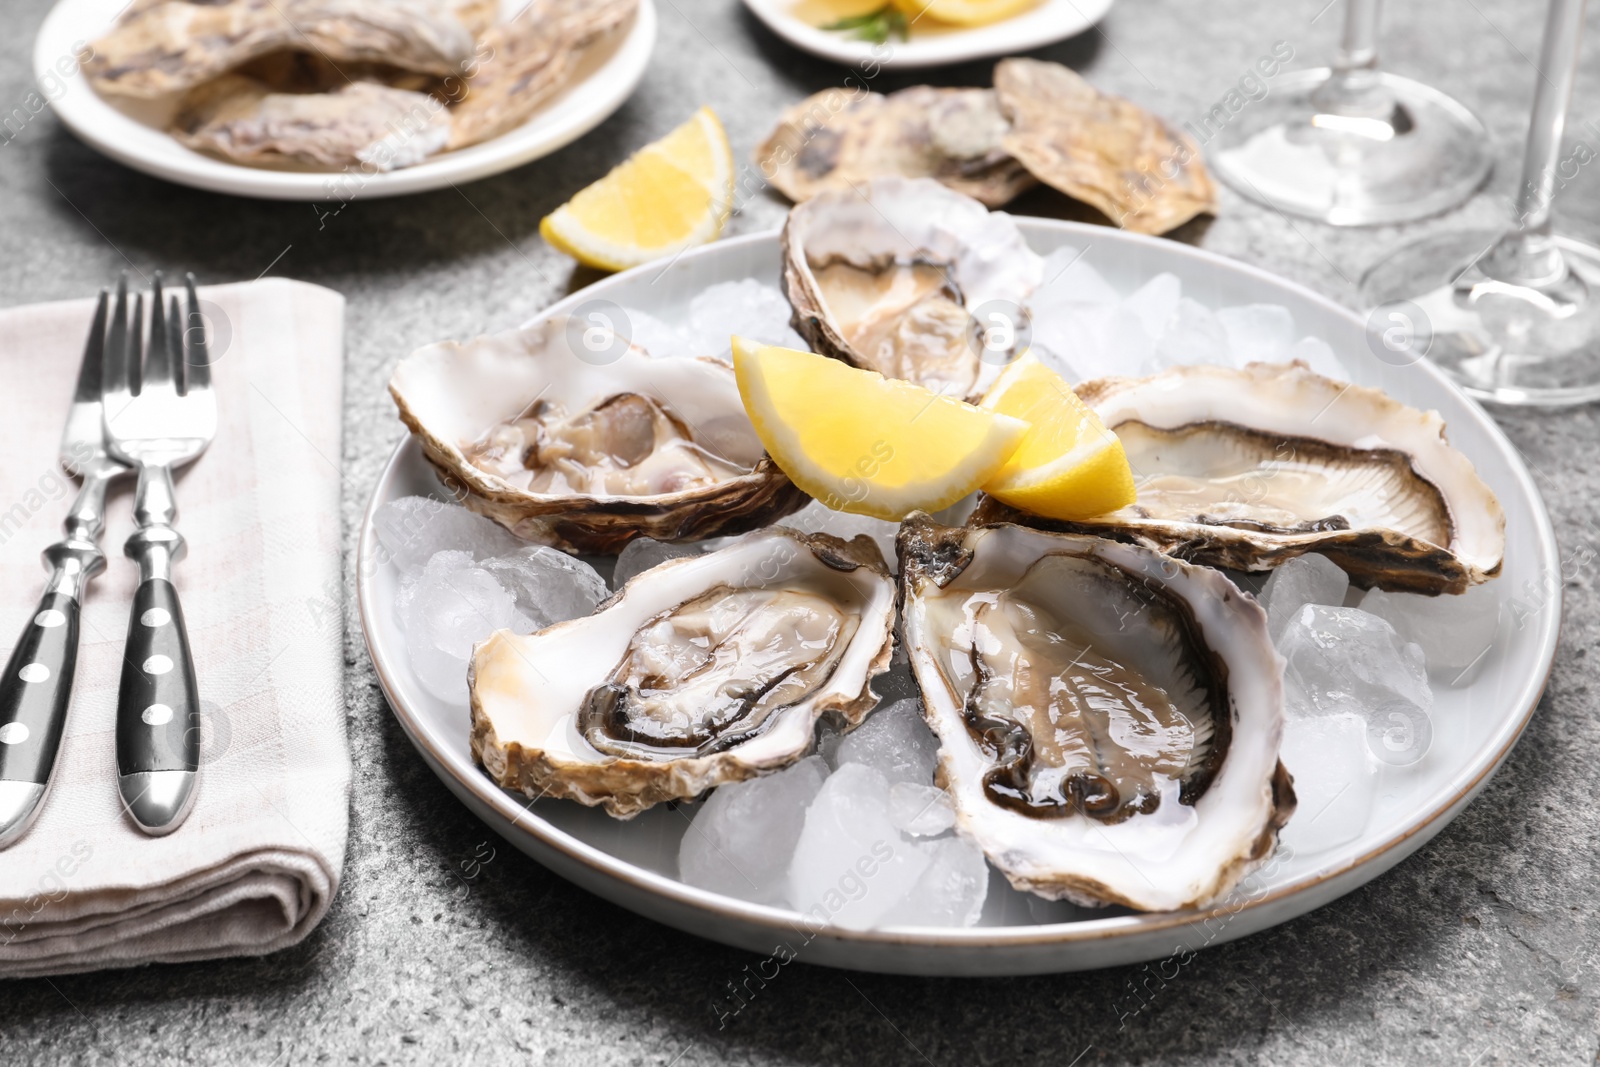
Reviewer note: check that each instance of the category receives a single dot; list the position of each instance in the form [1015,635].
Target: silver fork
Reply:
[36,688]
[160,414]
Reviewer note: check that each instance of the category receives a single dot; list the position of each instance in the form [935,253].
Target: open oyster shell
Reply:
[586,450]
[701,671]
[1248,468]
[888,276]
[1108,718]
[837,139]
[160,48]
[1101,149]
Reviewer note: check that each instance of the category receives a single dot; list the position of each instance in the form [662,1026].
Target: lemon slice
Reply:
[860,442]
[1069,466]
[668,196]
[964,12]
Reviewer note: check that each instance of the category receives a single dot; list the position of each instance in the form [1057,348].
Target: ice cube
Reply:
[548,585]
[642,553]
[851,867]
[1334,780]
[413,528]
[1069,277]
[743,838]
[920,810]
[746,307]
[1154,303]
[817,517]
[1455,632]
[894,741]
[656,337]
[950,892]
[1307,579]
[1068,338]
[445,610]
[1315,353]
[1346,659]
[1257,332]
[1192,335]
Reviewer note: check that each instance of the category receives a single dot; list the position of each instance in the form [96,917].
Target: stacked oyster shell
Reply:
[1108,708]
[374,84]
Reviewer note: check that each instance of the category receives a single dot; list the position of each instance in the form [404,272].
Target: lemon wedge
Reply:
[668,196]
[1068,466]
[863,443]
[964,12]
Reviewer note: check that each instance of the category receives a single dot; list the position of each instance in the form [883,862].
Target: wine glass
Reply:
[1513,316]
[1353,145]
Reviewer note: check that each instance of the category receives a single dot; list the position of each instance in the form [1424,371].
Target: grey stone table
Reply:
[1482,948]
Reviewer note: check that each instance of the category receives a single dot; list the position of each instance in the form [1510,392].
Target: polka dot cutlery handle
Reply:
[34,694]
[158,712]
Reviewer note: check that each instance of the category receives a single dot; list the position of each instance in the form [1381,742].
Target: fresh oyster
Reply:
[837,139]
[526,60]
[1248,468]
[700,671]
[168,47]
[1108,718]
[1101,149]
[585,450]
[886,276]
[361,123]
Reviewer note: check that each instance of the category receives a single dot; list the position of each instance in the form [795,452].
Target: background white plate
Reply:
[603,80]
[1049,22]
[634,863]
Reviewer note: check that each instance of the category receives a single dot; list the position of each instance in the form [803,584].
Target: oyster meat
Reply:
[1108,718]
[1247,468]
[1101,149]
[583,450]
[887,277]
[837,139]
[700,671]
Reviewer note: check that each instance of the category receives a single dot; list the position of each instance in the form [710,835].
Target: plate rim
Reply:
[913,55]
[605,90]
[1434,814]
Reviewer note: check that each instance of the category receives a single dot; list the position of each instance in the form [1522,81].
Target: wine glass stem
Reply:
[1358,47]
[1526,254]
[1354,88]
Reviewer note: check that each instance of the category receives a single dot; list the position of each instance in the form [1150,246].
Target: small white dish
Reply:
[603,80]
[1049,22]
[634,863]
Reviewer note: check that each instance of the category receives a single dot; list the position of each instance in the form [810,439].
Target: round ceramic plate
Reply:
[1051,21]
[134,134]
[634,863]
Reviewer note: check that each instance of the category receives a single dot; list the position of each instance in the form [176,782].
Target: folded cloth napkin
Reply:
[257,863]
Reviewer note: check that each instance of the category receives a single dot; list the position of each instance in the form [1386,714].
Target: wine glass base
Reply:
[1506,344]
[1424,155]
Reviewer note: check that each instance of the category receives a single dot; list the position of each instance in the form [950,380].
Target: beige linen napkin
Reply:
[257,863]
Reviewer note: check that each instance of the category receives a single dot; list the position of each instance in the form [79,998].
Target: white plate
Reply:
[603,80]
[633,863]
[1049,22]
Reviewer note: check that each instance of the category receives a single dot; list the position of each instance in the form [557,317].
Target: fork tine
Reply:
[115,378]
[94,354]
[180,375]
[158,358]
[135,361]
[197,363]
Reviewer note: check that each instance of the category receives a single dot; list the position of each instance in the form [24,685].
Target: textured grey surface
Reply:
[1480,949]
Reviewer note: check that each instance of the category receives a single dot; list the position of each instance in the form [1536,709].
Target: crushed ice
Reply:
[746,307]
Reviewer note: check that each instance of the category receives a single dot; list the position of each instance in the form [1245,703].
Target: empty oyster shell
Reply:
[1248,468]
[1108,718]
[527,59]
[361,123]
[168,47]
[886,276]
[586,451]
[701,671]
[1101,149]
[837,139]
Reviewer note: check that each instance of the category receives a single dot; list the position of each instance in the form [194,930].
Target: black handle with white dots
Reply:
[35,691]
[158,704]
